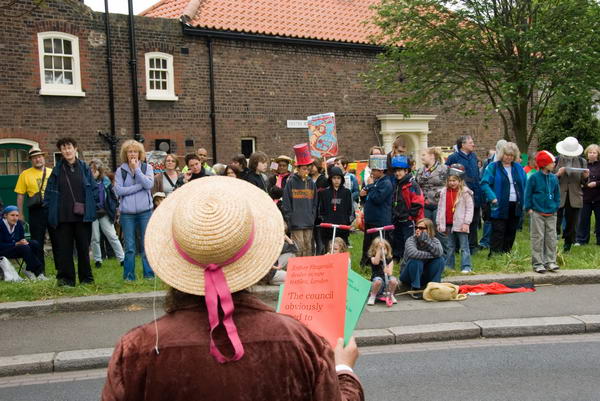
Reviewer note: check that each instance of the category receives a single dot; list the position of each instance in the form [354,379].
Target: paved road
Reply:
[85,330]
[533,368]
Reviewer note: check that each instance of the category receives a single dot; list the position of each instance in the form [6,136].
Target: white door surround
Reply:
[414,128]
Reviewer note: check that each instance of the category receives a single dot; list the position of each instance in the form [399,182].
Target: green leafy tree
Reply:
[569,116]
[509,56]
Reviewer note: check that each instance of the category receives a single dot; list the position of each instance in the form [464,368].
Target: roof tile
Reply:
[334,20]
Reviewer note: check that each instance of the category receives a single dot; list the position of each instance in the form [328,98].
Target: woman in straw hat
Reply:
[209,241]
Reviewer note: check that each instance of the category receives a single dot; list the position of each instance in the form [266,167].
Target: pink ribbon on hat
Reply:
[215,290]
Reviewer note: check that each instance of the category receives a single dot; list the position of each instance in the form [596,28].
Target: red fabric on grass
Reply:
[492,288]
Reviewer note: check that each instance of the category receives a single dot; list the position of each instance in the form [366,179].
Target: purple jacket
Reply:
[135,193]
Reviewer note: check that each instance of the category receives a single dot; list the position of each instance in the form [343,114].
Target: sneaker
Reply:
[577,244]
[553,268]
[416,296]
[540,269]
[122,263]
[29,275]
[98,264]
[394,300]
[371,300]
[42,277]
[466,271]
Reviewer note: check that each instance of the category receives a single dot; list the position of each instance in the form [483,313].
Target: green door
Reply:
[13,160]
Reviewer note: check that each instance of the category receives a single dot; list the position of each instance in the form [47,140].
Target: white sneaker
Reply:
[29,275]
[577,244]
[371,300]
[394,301]
[465,271]
[42,277]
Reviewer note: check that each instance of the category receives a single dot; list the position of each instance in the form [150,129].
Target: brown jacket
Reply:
[283,360]
[571,183]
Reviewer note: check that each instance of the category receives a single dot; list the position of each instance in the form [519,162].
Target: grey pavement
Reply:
[92,330]
[528,368]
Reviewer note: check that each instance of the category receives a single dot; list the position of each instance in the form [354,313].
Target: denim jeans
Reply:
[484,242]
[465,253]
[129,223]
[418,272]
[108,228]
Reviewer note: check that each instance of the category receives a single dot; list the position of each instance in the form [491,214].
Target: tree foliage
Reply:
[570,116]
[512,56]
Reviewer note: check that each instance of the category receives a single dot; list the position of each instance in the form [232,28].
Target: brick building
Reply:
[272,61]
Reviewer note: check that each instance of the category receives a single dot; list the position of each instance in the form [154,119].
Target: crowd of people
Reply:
[424,219]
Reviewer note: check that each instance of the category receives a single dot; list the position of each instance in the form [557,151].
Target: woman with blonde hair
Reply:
[503,184]
[591,197]
[424,257]
[432,178]
[134,183]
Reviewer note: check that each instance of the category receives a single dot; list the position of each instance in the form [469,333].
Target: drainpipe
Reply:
[110,137]
[134,82]
[211,79]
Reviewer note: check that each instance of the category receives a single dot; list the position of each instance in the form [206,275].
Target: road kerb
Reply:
[26,364]
[592,322]
[533,326]
[435,332]
[82,359]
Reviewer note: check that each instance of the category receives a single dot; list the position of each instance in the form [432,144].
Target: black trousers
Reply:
[585,217]
[38,225]
[28,254]
[571,215]
[473,227]
[504,231]
[67,235]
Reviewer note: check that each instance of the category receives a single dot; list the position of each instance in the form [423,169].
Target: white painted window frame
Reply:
[248,138]
[161,94]
[60,89]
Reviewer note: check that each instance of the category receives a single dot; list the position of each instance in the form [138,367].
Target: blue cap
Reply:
[9,208]
[400,162]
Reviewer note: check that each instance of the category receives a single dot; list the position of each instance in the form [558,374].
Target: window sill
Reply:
[55,92]
[167,98]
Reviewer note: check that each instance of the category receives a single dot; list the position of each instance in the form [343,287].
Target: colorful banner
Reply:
[322,135]
[315,293]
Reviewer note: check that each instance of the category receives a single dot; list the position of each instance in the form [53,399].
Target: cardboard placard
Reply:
[315,293]
[357,292]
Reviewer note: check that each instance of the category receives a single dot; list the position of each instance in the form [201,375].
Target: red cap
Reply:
[543,158]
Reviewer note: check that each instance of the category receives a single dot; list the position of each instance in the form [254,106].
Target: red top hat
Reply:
[302,152]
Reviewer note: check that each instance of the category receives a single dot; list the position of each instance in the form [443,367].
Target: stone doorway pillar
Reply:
[414,128]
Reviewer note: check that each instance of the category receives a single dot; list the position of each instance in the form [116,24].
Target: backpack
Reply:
[144,168]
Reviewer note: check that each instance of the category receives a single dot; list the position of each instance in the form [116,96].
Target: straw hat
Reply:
[35,152]
[435,292]
[209,221]
[283,158]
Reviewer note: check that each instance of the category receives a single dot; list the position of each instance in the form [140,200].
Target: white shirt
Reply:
[10,230]
[513,193]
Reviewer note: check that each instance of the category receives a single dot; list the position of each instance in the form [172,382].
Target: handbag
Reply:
[78,207]
[37,199]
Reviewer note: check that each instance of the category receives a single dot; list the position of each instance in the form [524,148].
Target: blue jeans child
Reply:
[465,253]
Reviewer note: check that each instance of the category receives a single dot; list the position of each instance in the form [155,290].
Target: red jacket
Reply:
[408,201]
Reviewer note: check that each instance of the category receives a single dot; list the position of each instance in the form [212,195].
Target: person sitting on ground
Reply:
[541,201]
[195,169]
[454,215]
[14,245]
[382,267]
[335,206]
[261,355]
[424,258]
[257,168]
[339,246]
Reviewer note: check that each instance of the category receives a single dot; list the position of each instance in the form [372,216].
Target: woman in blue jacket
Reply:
[134,182]
[503,184]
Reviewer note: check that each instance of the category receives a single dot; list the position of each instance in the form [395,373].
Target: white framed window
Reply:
[159,77]
[59,64]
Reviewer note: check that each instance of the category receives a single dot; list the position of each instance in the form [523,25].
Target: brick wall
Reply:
[258,87]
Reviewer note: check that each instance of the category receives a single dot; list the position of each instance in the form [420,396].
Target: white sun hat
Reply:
[569,147]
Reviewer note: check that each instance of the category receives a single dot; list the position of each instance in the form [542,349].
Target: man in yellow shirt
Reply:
[30,182]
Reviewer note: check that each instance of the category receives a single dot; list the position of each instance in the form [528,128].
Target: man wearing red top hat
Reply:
[300,202]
